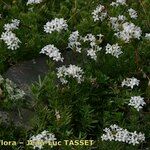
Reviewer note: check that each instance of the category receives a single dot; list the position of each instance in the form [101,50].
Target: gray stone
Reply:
[4,117]
[22,118]
[19,117]
[27,72]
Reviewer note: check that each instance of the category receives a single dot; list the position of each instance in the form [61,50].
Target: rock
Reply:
[27,72]
[22,118]
[4,117]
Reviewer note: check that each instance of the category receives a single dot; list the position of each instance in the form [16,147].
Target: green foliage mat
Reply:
[78,111]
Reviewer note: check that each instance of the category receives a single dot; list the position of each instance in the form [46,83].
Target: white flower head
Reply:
[94,47]
[55,25]
[132,13]
[9,37]
[114,49]
[41,139]
[71,71]
[129,31]
[11,40]
[147,36]
[89,37]
[116,133]
[116,22]
[14,93]
[1,79]
[100,37]
[99,13]
[92,54]
[34,2]
[130,82]
[52,52]
[74,41]
[137,102]
[13,25]
[118,2]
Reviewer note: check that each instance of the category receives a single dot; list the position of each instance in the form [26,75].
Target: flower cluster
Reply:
[41,139]
[126,30]
[34,2]
[116,22]
[74,43]
[147,36]
[137,102]
[9,37]
[1,79]
[132,13]
[94,48]
[11,40]
[71,71]
[12,91]
[99,13]
[114,49]
[55,25]
[12,26]
[130,82]
[117,133]
[129,31]
[52,52]
[118,2]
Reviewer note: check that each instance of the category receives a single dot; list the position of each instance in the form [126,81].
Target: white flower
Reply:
[94,48]
[132,13]
[55,25]
[99,13]
[89,37]
[119,134]
[71,71]
[41,139]
[12,90]
[11,40]
[52,52]
[100,37]
[118,2]
[116,22]
[92,54]
[9,37]
[130,82]
[122,2]
[129,31]
[137,102]
[114,49]
[1,79]
[74,41]
[147,36]
[13,25]
[34,2]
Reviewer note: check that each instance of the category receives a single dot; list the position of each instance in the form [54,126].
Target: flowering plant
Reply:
[98,54]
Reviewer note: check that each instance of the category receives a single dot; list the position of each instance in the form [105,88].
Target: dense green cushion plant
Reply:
[81,109]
